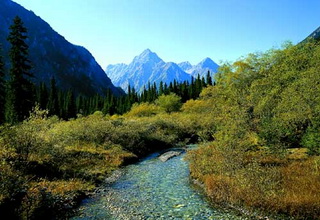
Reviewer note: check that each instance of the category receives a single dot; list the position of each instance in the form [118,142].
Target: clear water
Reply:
[152,189]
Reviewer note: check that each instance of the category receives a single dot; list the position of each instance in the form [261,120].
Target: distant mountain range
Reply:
[53,56]
[149,67]
[202,68]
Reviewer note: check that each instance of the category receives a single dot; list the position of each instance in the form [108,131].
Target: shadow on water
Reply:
[151,189]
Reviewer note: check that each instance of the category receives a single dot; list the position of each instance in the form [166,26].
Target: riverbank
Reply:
[48,165]
[152,189]
[274,188]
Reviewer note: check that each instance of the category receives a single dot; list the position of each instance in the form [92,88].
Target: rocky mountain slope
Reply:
[53,56]
[315,34]
[201,68]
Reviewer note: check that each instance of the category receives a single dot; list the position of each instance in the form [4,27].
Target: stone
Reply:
[168,155]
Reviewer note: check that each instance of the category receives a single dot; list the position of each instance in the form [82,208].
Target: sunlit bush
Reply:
[169,103]
[143,110]
[263,106]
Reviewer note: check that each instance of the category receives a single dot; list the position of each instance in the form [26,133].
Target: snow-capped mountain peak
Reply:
[185,65]
[203,67]
[147,56]
[208,63]
[149,67]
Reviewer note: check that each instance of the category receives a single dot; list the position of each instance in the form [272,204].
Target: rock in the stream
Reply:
[168,155]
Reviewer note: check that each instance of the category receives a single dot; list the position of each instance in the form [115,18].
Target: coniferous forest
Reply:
[257,126]
[67,104]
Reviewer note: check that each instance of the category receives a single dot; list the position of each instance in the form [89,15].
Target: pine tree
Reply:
[203,82]
[43,96]
[61,104]
[53,102]
[161,89]
[183,91]
[154,92]
[165,89]
[175,86]
[198,86]
[70,105]
[80,104]
[20,94]
[2,89]
[107,102]
[209,79]
[192,88]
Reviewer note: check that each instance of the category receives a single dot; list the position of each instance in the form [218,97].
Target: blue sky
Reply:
[115,31]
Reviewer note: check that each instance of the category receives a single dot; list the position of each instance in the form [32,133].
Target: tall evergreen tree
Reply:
[53,102]
[209,79]
[70,105]
[2,89]
[61,104]
[165,89]
[198,86]
[192,88]
[203,82]
[43,96]
[80,104]
[161,89]
[20,95]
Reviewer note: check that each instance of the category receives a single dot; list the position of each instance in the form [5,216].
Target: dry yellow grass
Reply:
[288,185]
[301,187]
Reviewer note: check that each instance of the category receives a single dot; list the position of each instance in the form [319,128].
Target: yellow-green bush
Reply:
[47,164]
[143,110]
[169,103]
[263,106]
[52,198]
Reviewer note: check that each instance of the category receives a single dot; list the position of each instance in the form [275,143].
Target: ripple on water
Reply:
[152,189]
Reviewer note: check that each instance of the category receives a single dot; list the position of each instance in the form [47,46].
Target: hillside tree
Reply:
[20,94]
[53,102]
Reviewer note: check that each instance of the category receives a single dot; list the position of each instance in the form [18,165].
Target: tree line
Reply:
[18,94]
[66,105]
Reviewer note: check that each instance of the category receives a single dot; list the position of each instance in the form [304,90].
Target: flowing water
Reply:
[152,189]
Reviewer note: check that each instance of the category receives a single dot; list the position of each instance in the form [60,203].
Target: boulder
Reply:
[168,155]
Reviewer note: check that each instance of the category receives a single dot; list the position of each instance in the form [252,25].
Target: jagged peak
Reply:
[147,51]
[171,64]
[147,56]
[207,62]
[207,59]
[185,66]
[185,62]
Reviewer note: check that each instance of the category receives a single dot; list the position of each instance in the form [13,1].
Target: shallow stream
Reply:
[152,189]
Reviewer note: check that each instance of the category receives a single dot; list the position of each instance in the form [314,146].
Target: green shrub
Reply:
[311,140]
[143,110]
[169,103]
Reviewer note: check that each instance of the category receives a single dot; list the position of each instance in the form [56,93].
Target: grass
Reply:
[287,185]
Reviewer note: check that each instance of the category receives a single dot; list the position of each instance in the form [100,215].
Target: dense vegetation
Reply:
[48,164]
[259,126]
[266,113]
